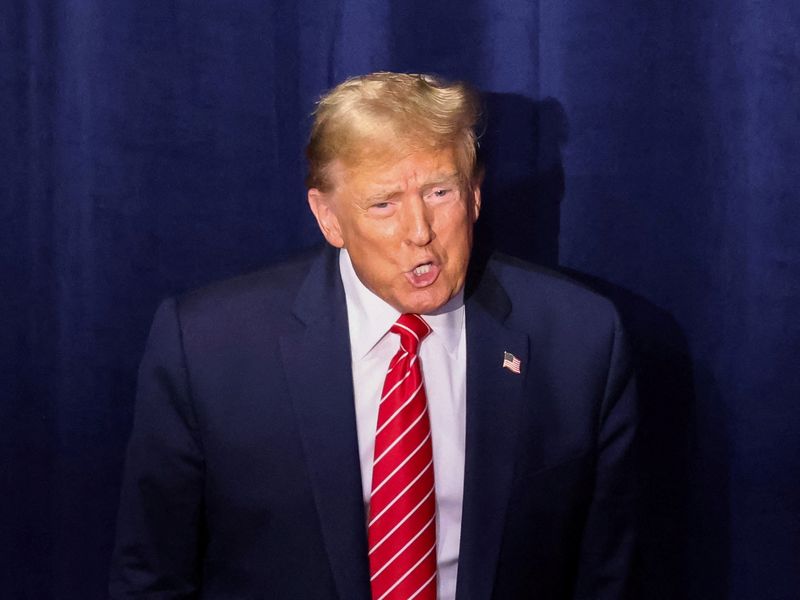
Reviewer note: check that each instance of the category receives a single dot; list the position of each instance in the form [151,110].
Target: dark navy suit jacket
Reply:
[242,477]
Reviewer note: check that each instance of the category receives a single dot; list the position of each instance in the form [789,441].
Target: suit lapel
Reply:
[316,359]
[494,404]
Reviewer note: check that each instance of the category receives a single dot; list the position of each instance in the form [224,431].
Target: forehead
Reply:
[393,169]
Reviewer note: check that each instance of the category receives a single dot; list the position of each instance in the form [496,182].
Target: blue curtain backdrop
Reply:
[651,149]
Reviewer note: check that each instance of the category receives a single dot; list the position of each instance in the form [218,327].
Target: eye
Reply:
[440,193]
[381,208]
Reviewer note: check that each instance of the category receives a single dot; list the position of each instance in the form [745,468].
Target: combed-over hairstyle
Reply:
[382,115]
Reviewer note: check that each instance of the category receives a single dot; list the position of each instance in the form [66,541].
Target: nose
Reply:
[418,222]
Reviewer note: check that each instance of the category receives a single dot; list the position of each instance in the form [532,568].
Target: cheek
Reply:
[372,234]
[455,230]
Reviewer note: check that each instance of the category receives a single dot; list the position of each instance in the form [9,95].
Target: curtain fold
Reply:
[650,151]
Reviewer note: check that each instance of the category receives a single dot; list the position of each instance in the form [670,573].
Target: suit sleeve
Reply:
[157,552]
[607,552]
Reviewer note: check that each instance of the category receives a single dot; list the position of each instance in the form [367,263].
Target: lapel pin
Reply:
[511,362]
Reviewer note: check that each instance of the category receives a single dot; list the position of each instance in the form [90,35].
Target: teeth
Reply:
[422,269]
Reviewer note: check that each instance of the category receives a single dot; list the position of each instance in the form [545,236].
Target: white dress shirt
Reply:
[443,359]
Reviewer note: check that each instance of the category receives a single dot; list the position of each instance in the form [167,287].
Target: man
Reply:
[383,419]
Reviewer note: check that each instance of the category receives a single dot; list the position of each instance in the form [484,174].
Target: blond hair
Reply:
[380,115]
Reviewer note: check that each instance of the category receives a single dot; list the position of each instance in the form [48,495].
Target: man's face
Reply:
[407,226]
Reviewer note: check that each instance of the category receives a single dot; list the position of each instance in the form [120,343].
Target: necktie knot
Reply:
[412,329]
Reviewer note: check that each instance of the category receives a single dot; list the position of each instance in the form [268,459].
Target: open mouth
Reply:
[423,274]
[422,269]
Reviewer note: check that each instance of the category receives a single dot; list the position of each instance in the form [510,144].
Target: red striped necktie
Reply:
[402,526]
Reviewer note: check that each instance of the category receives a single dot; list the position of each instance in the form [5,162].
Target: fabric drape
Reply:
[649,149]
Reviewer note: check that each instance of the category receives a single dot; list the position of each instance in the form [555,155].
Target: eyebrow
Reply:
[443,178]
[437,179]
[382,194]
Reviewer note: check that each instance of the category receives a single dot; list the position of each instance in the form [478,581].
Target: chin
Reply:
[424,303]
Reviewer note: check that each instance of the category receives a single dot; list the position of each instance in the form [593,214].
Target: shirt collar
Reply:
[370,317]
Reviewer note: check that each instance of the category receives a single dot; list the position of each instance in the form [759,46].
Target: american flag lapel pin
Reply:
[511,362]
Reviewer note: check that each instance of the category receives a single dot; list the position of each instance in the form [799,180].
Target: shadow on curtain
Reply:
[650,151]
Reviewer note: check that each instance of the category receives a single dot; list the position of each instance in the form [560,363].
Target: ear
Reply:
[321,205]
[475,201]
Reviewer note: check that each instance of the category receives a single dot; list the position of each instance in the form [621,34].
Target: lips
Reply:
[423,275]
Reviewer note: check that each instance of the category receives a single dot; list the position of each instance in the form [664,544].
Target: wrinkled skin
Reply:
[406,223]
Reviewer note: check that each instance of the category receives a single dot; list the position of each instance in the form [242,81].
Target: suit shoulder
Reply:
[536,289]
[272,289]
